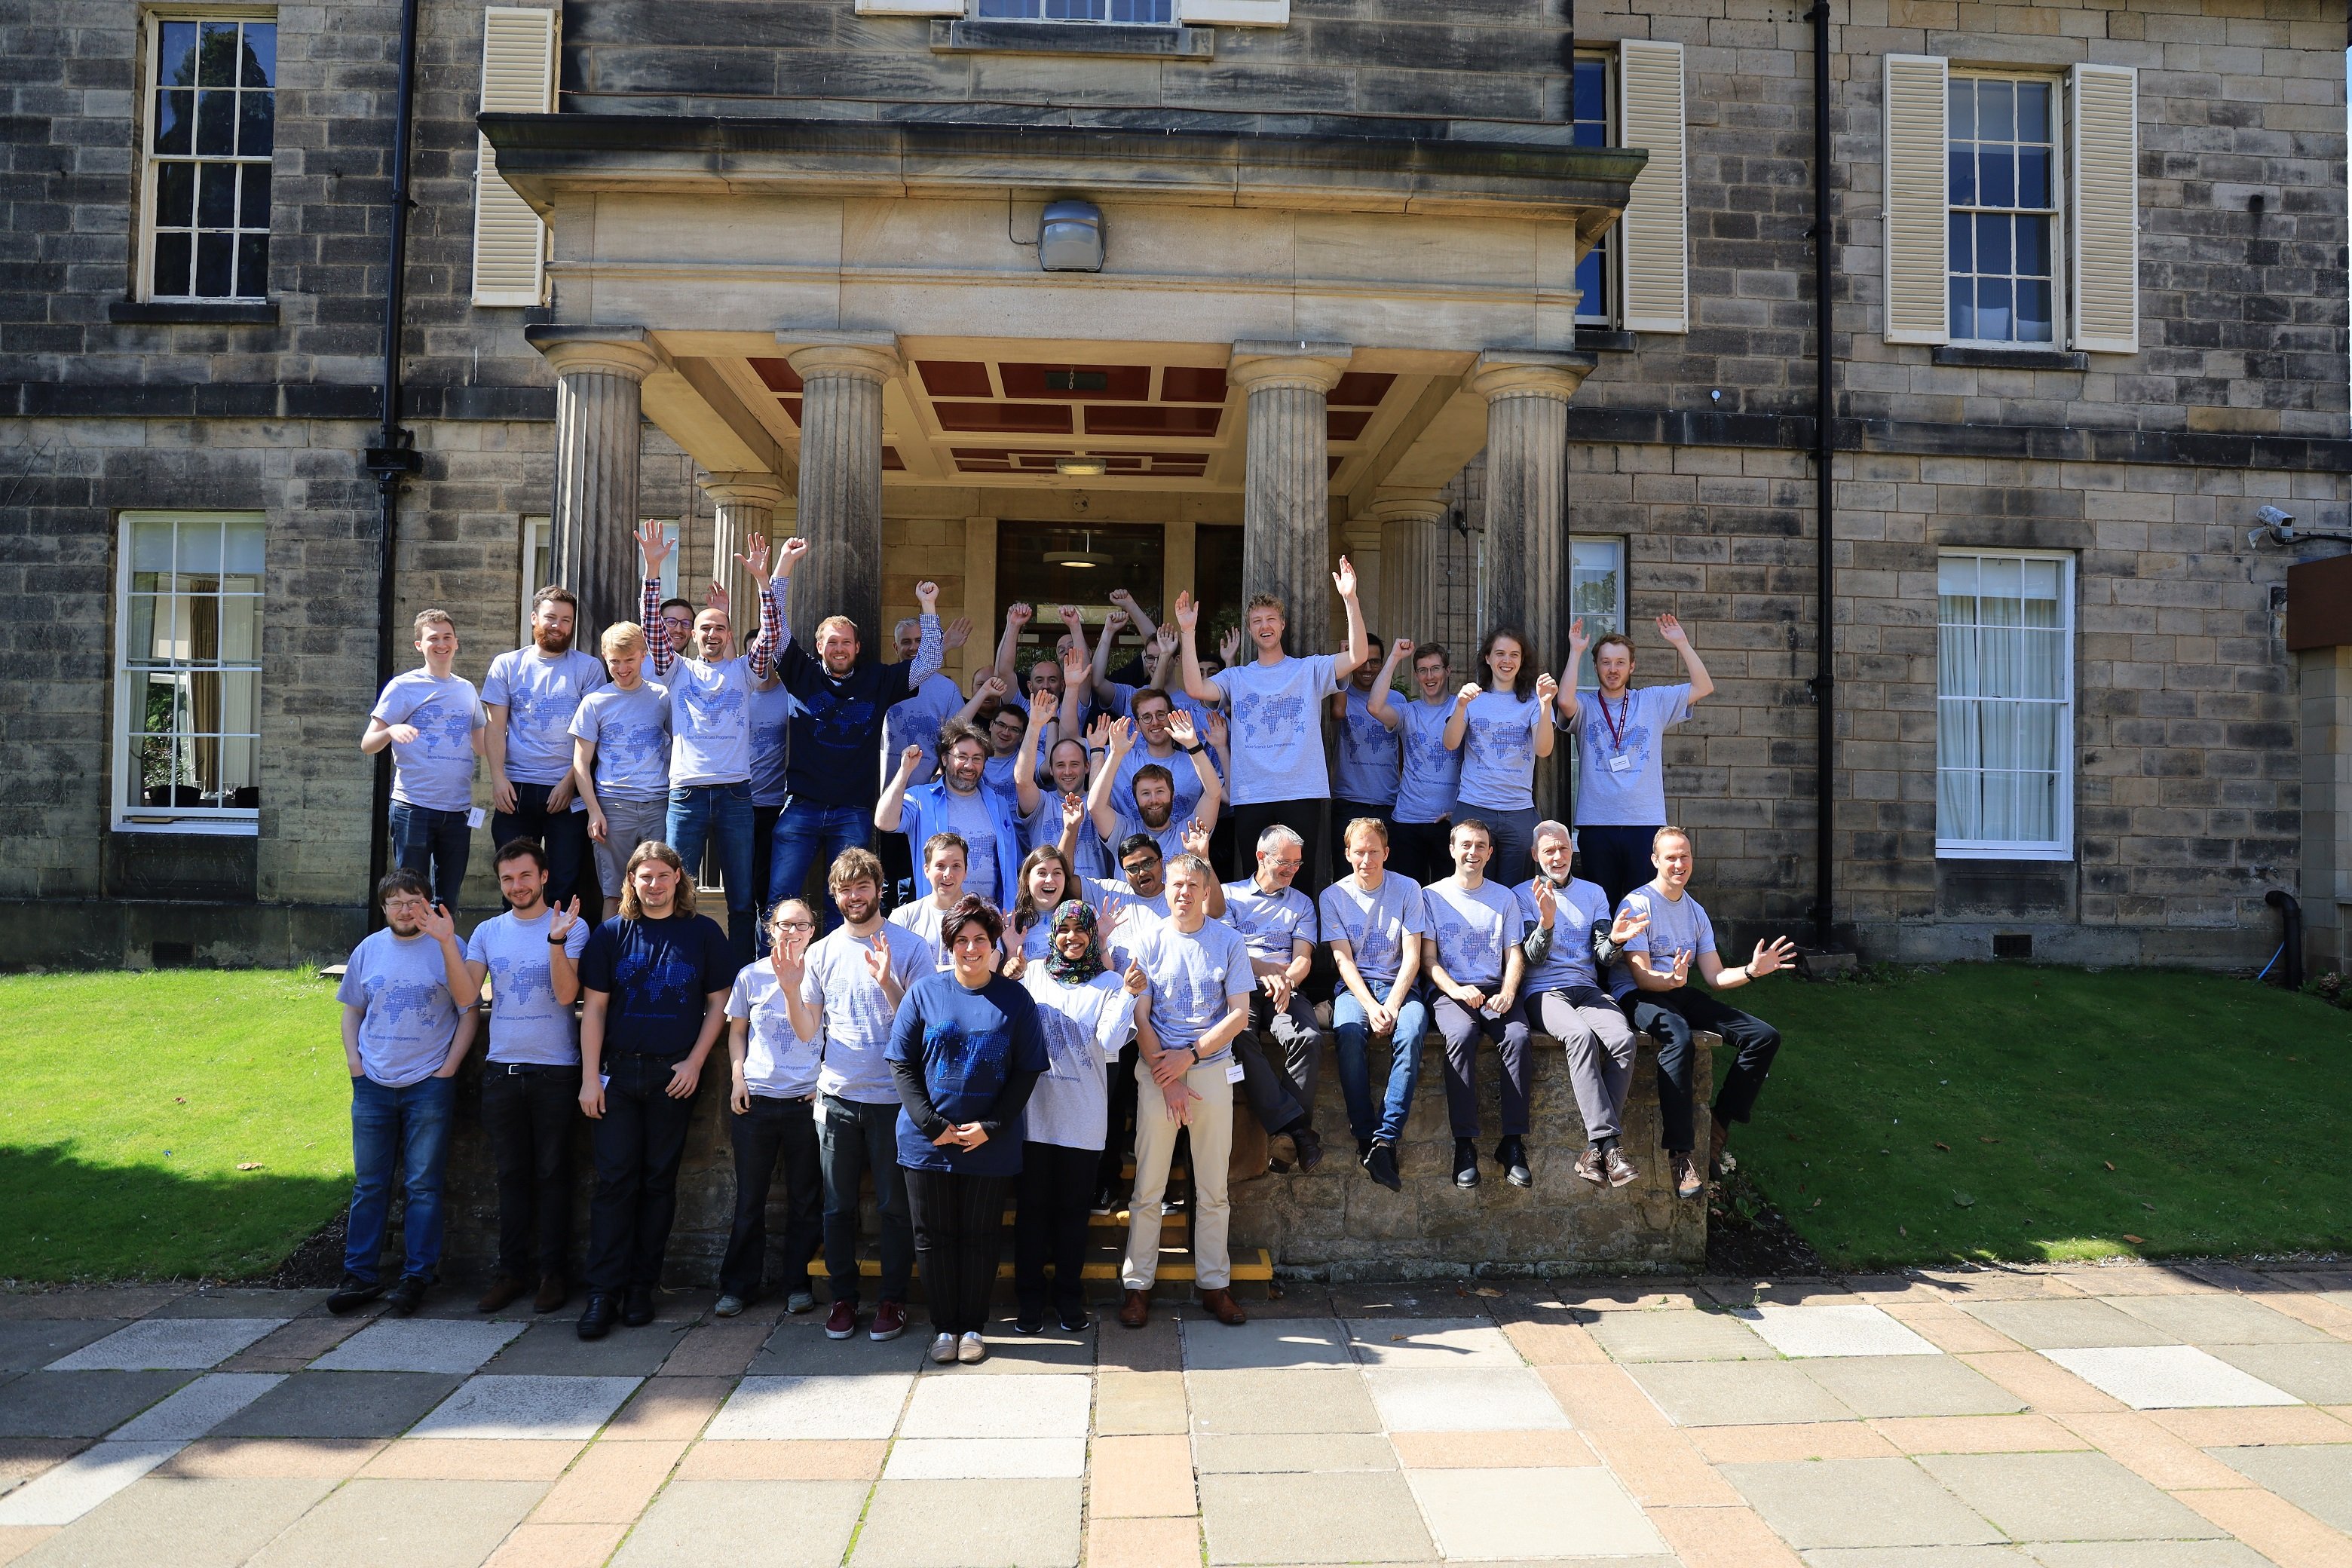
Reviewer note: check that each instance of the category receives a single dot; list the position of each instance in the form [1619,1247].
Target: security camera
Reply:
[2279,522]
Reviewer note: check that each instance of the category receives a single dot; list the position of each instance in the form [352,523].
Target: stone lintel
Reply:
[1527,372]
[614,351]
[1316,367]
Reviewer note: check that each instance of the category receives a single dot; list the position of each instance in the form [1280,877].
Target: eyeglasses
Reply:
[796,925]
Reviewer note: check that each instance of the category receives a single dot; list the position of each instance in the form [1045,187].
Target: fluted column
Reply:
[599,376]
[1409,520]
[1287,504]
[1527,493]
[746,504]
[841,479]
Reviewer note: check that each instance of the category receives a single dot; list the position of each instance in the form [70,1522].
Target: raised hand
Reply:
[1779,954]
[1671,630]
[560,925]
[955,634]
[754,558]
[1077,670]
[1123,599]
[1546,688]
[715,598]
[788,555]
[789,959]
[927,595]
[1629,924]
[1180,730]
[909,760]
[1135,980]
[1468,694]
[1547,903]
[1115,621]
[1196,837]
[1074,810]
[1229,646]
[878,956]
[1071,617]
[438,923]
[1344,579]
[1017,616]
[1188,613]
[1218,728]
[993,686]
[1165,640]
[654,546]
[1122,738]
[1577,641]
[1401,650]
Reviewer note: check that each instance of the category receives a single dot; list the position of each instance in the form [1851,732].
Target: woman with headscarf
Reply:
[1088,1014]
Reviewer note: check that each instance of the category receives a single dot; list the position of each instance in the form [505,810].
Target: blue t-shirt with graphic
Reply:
[709,721]
[1622,782]
[1194,976]
[1569,961]
[527,1023]
[630,730]
[1430,773]
[1498,751]
[1472,926]
[1270,922]
[541,697]
[1375,925]
[1366,772]
[437,769]
[916,723]
[402,982]
[1277,728]
[1677,926]
[771,715]
[659,976]
[1183,777]
[968,1044]
[857,1009]
[777,1063]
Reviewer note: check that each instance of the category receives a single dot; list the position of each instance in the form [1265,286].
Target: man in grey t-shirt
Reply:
[432,720]
[532,694]
[1621,733]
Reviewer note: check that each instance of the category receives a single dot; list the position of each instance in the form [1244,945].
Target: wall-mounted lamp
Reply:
[1070,236]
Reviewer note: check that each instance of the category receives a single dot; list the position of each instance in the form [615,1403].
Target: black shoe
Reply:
[1310,1144]
[637,1306]
[1363,1150]
[355,1293]
[1106,1202]
[1511,1153]
[407,1296]
[597,1321]
[1465,1162]
[1076,1319]
[1380,1164]
[1029,1320]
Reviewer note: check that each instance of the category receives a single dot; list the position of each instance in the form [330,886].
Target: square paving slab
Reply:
[997,1524]
[985,1459]
[421,1344]
[64,1492]
[1832,1330]
[28,1342]
[242,1302]
[842,1408]
[1678,1334]
[2316,1479]
[1229,1402]
[1042,1406]
[1888,1386]
[2318,1374]
[404,1524]
[1266,1344]
[1464,1399]
[2077,1324]
[739,1523]
[1858,1502]
[2146,1554]
[196,1408]
[1492,1514]
[2065,1497]
[183,1523]
[1431,1342]
[2218,1320]
[1360,1516]
[556,1349]
[188,1344]
[79,1403]
[800,1350]
[527,1407]
[341,1405]
[1737,1394]
[2166,1377]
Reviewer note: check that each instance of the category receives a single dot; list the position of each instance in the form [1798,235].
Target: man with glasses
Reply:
[1277,922]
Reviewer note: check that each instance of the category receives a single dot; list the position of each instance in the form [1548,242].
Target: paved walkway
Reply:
[2136,1417]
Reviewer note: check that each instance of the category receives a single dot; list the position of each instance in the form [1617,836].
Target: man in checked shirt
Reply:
[710,726]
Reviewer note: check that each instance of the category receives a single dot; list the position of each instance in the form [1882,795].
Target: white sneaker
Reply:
[943,1349]
[974,1349]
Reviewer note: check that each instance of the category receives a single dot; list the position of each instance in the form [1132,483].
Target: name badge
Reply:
[1621,764]
[476,817]
[1234,1073]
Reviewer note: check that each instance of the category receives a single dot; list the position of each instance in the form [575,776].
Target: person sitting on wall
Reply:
[1678,942]
[1374,921]
[1570,939]
[1277,923]
[532,695]
[1621,789]
[1472,953]
[620,760]
[772,1112]
[432,721]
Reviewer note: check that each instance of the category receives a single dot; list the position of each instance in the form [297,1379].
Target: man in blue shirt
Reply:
[956,802]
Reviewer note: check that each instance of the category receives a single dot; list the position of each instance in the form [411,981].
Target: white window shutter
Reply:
[1234,13]
[1656,225]
[2105,102]
[517,78]
[910,7]
[1918,309]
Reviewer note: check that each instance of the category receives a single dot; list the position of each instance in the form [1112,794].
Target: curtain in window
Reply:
[2002,700]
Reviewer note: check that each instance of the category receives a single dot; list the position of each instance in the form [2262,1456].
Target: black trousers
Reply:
[1461,1028]
[1671,1019]
[1049,1225]
[562,834]
[1616,857]
[527,1112]
[958,1226]
[1310,819]
[638,1143]
[764,856]
[1119,1139]
[773,1126]
[1417,851]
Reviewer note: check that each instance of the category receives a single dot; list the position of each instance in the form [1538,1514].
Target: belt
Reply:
[518,1069]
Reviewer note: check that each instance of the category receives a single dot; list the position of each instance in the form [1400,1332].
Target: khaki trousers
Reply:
[1155,1143]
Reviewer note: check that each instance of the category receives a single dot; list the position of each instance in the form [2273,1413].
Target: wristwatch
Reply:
[1193,750]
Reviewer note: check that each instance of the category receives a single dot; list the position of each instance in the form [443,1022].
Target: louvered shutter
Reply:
[1234,13]
[2105,103]
[1917,104]
[517,78]
[1656,225]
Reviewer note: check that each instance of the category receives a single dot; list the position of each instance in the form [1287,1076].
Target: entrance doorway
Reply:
[1049,565]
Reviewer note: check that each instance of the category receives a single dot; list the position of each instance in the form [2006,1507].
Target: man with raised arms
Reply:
[1621,788]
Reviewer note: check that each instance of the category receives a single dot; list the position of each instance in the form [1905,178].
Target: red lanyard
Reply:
[1618,721]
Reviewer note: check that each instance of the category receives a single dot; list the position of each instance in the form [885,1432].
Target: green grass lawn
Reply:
[134,1101]
[2001,1112]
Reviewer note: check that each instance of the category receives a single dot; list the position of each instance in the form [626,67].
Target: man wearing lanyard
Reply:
[1621,789]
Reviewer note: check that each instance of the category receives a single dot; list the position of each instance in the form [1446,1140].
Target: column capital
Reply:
[612,351]
[1516,373]
[1399,504]
[1316,367]
[746,489]
[861,357]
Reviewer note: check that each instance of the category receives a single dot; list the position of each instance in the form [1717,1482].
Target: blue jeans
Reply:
[720,814]
[856,1140]
[808,833]
[403,1132]
[434,845]
[1351,1037]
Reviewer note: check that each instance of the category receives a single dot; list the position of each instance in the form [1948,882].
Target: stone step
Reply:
[1175,1264]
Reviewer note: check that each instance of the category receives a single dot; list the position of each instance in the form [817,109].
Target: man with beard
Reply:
[1428,774]
[532,695]
[831,773]
[1621,747]
[1067,759]
[1570,939]
[957,803]
[1278,924]
[1155,803]
[710,728]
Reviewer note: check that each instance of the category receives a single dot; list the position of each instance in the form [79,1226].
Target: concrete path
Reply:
[2125,1417]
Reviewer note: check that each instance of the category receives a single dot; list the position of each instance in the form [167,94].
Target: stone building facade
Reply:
[1361,233]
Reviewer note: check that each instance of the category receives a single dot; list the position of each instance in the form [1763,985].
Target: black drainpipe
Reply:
[394,457]
[1824,451]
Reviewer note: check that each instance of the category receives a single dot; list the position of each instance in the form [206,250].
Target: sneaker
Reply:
[504,1292]
[973,1351]
[354,1294]
[1620,1170]
[800,1302]
[889,1321]
[1309,1145]
[842,1321]
[943,1349]
[1465,1162]
[1511,1153]
[1076,1319]
[1687,1183]
[1172,1204]
[1363,1150]
[1380,1164]
[1588,1167]
[729,1306]
[1029,1320]
[1106,1202]
[406,1296]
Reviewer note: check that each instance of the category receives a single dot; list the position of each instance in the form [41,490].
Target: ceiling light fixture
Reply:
[1082,560]
[1081,468]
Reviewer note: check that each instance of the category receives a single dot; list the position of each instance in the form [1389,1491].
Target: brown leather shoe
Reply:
[552,1293]
[504,1291]
[1136,1310]
[1224,1308]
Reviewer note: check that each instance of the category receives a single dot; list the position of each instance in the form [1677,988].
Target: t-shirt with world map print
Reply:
[403,983]
[1498,751]
[967,1046]
[630,730]
[1431,774]
[1622,782]
[1194,977]
[1367,767]
[659,976]
[1277,728]
[527,1023]
[435,770]
[709,721]
[1471,927]
[542,696]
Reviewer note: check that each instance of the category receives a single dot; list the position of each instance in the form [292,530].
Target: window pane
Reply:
[217,123]
[2033,245]
[240,628]
[215,253]
[1996,176]
[1956,661]
[174,253]
[139,628]
[252,266]
[1964,109]
[216,195]
[253,202]
[218,66]
[175,117]
[2038,579]
[1996,121]
[151,546]
[1591,110]
[260,68]
[247,541]
[2033,111]
[200,549]
[1963,247]
[1591,283]
[2034,176]
[175,195]
[258,124]
[2033,322]
[1962,158]
[1964,308]
[151,784]
[1992,310]
[1992,242]
[175,55]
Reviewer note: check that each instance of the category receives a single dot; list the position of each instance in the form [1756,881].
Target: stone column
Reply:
[1526,577]
[841,479]
[1409,520]
[747,504]
[599,375]
[1287,505]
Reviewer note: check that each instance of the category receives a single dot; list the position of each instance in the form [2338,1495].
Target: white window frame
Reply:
[2062,847]
[2061,236]
[1593,548]
[1613,256]
[538,568]
[152,21]
[128,706]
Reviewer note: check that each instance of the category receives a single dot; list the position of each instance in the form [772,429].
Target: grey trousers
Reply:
[1600,1053]
[627,824]
[1281,1092]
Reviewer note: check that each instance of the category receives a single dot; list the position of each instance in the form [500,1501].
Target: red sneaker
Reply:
[842,1321]
[889,1321]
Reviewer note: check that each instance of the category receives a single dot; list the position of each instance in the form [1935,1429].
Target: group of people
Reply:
[1058,976]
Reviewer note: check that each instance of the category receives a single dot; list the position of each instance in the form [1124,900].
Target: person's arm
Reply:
[1577,644]
[1099,668]
[915,1095]
[1408,974]
[1470,996]
[461,1042]
[739,1045]
[891,808]
[380,734]
[763,648]
[1546,693]
[1016,618]
[1216,902]
[562,968]
[992,686]
[1073,814]
[1197,686]
[1145,627]
[653,549]
[1302,959]
[807,1016]
[1229,1027]
[442,928]
[1025,794]
[1701,683]
[1009,1101]
[1536,944]
[1343,958]
[1515,969]
[592,1052]
[1360,648]
[353,1016]
[1078,685]
[1378,704]
[1768,958]
[688,1074]
[932,652]
[1610,937]
[1637,963]
[1181,731]
[494,747]
[1120,734]
[1220,742]
[1457,722]
[583,779]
